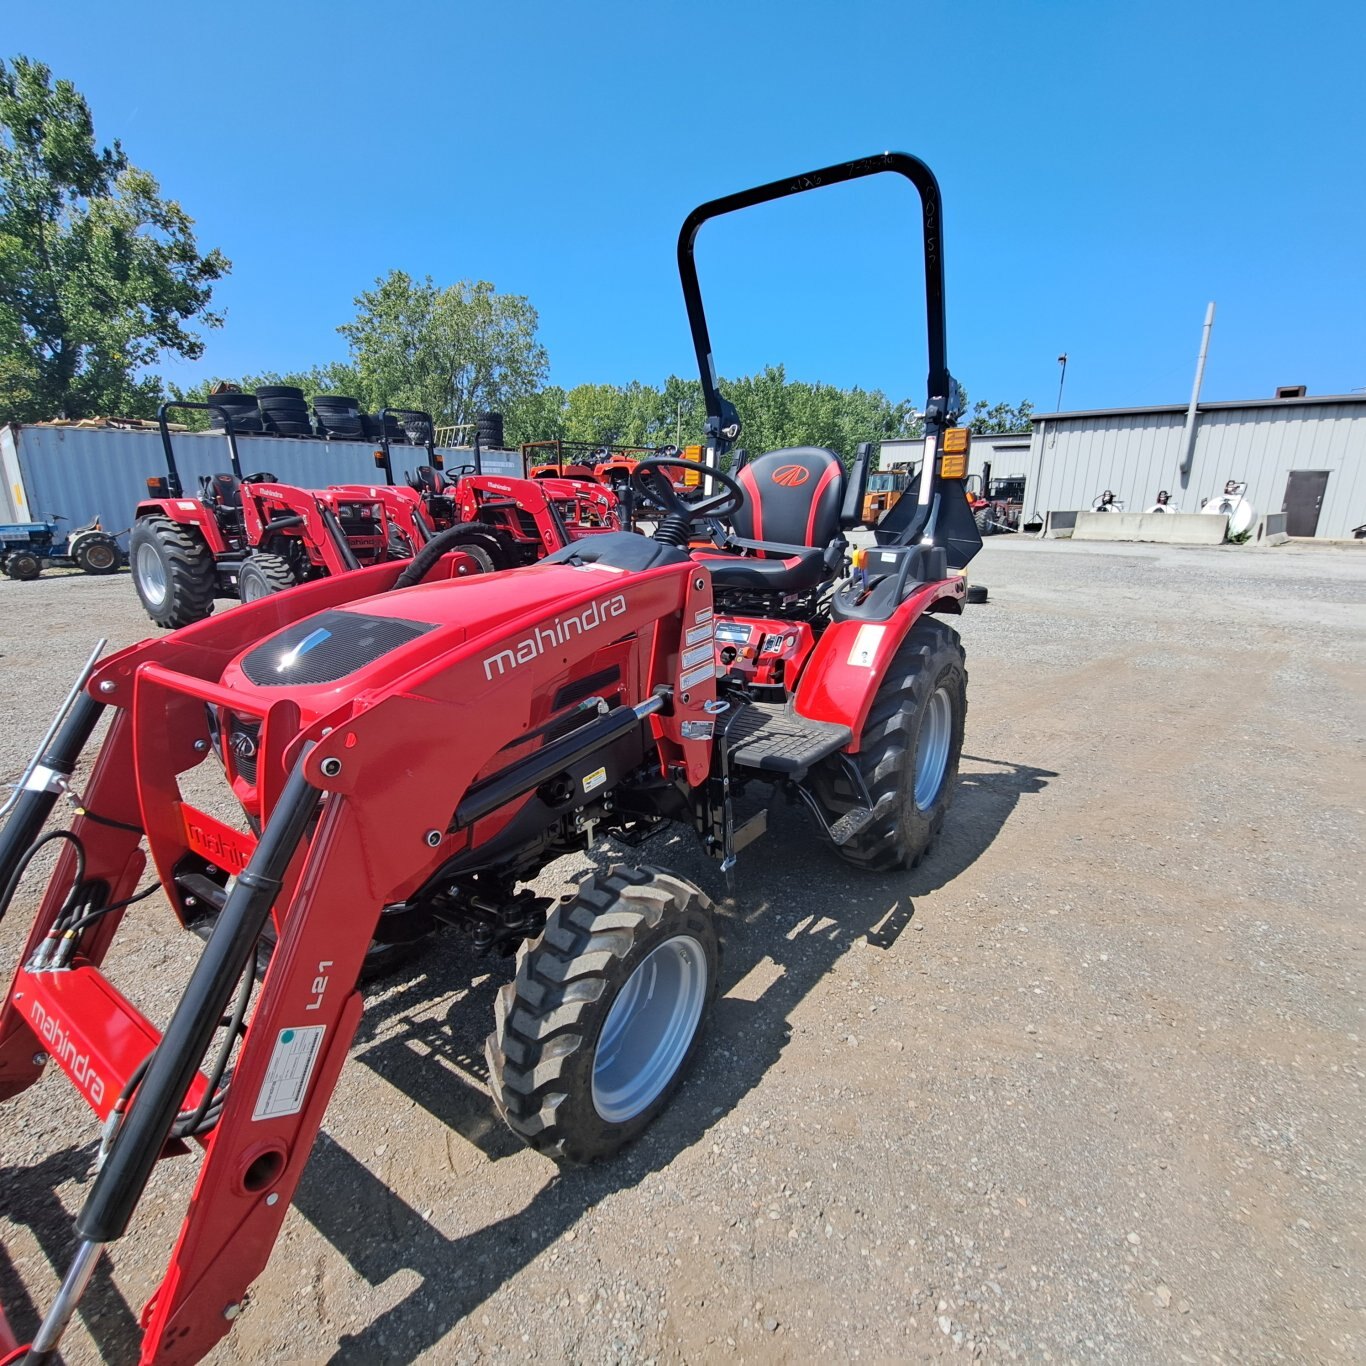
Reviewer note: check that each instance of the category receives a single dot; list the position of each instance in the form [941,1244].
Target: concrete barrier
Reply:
[1164,528]
[1058,525]
[1270,529]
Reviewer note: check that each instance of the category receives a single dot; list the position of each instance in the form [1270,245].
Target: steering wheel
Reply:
[651,485]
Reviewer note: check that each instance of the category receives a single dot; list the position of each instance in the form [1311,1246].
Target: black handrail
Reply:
[172,472]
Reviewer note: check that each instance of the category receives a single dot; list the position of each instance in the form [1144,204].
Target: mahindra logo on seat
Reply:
[791,476]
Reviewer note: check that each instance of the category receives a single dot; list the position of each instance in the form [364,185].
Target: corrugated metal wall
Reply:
[1073,459]
[1008,455]
[81,472]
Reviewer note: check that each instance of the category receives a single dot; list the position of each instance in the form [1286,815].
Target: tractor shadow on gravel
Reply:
[32,1199]
[794,913]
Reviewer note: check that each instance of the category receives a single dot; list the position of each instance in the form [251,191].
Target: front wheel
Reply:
[910,748]
[263,575]
[606,1012]
[23,565]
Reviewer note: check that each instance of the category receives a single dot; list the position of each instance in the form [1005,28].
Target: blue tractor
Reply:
[26,547]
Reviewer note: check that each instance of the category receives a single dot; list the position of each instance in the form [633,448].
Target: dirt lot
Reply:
[1087,1085]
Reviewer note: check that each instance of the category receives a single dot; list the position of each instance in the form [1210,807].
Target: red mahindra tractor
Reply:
[248,535]
[521,519]
[402,750]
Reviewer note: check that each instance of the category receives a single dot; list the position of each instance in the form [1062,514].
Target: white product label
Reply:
[595,779]
[703,615]
[289,1072]
[865,645]
[695,676]
[699,633]
[697,654]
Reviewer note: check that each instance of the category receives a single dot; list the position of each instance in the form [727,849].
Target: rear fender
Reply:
[187,512]
[852,657]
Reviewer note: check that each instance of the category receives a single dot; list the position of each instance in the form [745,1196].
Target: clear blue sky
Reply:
[1107,169]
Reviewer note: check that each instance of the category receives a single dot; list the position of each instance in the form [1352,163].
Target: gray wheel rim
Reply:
[250,588]
[151,575]
[932,752]
[99,556]
[649,1029]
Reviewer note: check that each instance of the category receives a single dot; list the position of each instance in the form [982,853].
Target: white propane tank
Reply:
[1242,516]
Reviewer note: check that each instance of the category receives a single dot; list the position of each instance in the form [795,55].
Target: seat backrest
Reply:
[431,480]
[226,490]
[792,496]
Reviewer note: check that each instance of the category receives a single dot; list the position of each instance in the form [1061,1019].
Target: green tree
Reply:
[453,352]
[539,416]
[1000,417]
[99,274]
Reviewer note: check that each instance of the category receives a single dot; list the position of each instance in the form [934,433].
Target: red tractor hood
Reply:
[371,643]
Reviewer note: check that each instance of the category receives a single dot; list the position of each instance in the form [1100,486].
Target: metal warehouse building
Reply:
[1305,456]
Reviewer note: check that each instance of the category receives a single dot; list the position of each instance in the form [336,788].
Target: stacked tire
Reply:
[339,417]
[284,411]
[242,408]
[417,430]
[490,428]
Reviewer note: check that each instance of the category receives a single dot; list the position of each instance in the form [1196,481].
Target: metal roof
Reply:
[1309,401]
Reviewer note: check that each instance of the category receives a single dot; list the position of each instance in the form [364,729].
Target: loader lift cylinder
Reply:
[120,1182]
[34,805]
[137,1145]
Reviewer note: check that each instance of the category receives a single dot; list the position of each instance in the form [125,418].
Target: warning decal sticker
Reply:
[287,1076]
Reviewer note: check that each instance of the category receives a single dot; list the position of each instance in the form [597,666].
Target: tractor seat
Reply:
[790,515]
[801,567]
[226,490]
[429,480]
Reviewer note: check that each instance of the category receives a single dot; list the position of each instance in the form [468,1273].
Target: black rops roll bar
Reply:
[172,472]
[943,403]
[382,455]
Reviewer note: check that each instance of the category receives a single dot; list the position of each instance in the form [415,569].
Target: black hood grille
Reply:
[327,647]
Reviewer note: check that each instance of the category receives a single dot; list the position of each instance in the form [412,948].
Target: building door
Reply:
[1304,491]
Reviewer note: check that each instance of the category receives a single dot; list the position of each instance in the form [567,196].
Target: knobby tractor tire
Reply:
[605,1013]
[23,566]
[264,574]
[986,524]
[909,749]
[96,552]
[173,571]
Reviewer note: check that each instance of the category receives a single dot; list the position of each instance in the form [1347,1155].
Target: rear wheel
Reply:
[264,574]
[910,747]
[606,1012]
[173,571]
[97,552]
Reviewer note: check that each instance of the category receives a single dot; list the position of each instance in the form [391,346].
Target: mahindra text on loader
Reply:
[405,749]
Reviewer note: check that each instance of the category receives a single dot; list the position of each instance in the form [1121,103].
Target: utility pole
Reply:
[1062,361]
[1188,435]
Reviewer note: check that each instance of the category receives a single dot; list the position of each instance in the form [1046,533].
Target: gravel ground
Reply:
[1085,1086]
